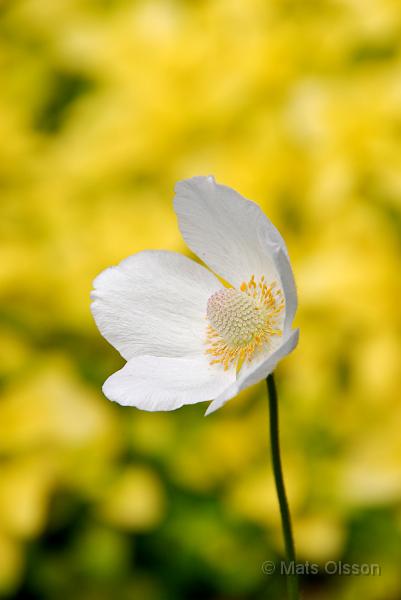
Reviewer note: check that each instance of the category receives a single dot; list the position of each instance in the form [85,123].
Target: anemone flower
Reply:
[188,337]
[190,333]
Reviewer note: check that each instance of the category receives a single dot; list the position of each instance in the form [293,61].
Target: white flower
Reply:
[186,337]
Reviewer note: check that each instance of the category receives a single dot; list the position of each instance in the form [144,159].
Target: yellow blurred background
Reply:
[104,105]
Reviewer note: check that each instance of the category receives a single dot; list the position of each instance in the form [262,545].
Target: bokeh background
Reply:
[104,105]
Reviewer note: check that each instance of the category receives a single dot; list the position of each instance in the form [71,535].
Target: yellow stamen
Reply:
[242,321]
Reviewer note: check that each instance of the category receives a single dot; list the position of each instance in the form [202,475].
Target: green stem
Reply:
[292,579]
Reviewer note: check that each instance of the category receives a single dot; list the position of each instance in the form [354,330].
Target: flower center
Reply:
[241,322]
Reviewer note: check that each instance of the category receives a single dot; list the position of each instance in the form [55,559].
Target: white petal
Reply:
[286,276]
[154,303]
[225,230]
[152,383]
[252,373]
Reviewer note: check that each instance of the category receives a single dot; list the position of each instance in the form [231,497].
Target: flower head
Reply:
[185,335]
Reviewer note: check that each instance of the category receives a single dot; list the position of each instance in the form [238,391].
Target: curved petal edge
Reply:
[252,374]
[152,383]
